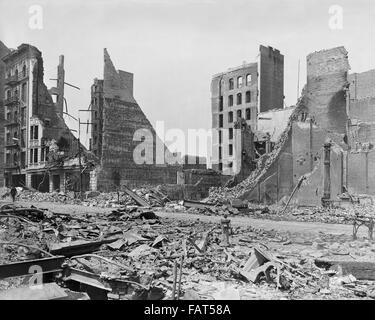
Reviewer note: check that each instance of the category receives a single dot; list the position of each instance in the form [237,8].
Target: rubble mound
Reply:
[221,194]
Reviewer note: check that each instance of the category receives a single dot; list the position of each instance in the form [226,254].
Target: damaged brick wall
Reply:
[54,125]
[361,135]
[298,157]
[362,85]
[327,73]
[307,144]
[276,180]
[122,116]
[320,115]
[204,179]
[361,177]
[362,109]
[244,149]
[324,98]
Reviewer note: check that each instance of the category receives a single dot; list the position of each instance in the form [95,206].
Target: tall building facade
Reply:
[3,52]
[242,93]
[19,93]
[40,151]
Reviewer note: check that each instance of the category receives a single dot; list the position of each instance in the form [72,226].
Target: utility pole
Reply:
[80,160]
[326,173]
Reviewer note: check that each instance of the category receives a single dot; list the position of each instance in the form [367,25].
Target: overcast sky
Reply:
[173,47]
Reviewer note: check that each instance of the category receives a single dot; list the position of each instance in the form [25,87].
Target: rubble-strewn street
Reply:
[132,251]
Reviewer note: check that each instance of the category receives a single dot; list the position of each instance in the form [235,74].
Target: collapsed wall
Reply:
[249,188]
[45,110]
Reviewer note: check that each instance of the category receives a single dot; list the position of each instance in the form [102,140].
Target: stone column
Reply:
[327,172]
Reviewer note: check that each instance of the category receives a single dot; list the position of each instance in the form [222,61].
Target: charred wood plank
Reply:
[141,201]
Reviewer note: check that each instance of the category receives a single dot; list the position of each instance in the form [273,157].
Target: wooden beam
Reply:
[142,202]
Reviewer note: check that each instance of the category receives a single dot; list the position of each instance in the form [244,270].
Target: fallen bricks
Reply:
[142,196]
[78,250]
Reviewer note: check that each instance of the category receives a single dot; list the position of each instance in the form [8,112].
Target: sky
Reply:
[173,47]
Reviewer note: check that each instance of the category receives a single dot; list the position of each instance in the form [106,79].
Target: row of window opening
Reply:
[238,99]
[240,81]
[23,72]
[230,116]
[15,94]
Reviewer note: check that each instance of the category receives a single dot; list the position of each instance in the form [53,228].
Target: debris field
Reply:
[129,252]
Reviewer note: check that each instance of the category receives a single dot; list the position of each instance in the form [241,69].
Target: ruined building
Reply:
[40,150]
[243,93]
[116,116]
[3,52]
[328,140]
